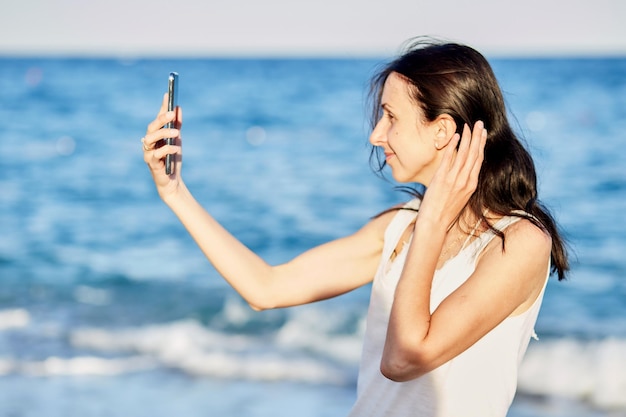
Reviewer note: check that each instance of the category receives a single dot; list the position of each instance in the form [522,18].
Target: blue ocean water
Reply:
[108,308]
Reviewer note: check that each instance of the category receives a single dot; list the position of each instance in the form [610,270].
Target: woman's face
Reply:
[406,139]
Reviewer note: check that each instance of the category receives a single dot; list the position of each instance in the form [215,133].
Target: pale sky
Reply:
[305,28]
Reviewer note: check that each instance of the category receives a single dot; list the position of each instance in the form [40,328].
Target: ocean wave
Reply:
[77,366]
[189,347]
[588,371]
[306,348]
[14,318]
[311,330]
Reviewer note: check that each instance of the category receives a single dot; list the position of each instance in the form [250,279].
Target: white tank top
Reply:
[480,382]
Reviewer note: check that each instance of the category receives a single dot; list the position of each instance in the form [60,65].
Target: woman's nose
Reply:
[377,137]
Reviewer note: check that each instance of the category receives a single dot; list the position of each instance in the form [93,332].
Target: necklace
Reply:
[458,239]
[450,246]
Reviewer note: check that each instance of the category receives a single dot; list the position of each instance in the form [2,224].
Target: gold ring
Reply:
[145,148]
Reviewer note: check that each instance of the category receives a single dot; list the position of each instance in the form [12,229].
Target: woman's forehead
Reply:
[396,90]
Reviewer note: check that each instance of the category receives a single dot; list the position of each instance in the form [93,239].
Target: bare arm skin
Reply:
[322,272]
[503,284]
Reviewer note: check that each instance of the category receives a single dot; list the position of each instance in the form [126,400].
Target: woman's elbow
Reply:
[391,372]
[400,373]
[260,304]
[263,300]
[404,366]
[255,307]
[260,299]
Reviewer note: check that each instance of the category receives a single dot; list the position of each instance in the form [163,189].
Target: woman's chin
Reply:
[402,178]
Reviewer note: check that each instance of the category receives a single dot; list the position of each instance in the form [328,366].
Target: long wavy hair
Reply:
[454,79]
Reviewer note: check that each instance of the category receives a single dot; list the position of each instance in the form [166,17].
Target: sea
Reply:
[108,308]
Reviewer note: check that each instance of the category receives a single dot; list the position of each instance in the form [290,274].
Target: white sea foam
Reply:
[77,366]
[236,312]
[311,330]
[7,366]
[196,350]
[85,365]
[14,318]
[593,371]
[307,349]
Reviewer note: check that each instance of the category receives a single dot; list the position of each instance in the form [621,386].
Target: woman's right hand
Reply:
[456,178]
[155,150]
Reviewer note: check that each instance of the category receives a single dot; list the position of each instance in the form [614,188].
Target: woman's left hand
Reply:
[155,150]
[456,178]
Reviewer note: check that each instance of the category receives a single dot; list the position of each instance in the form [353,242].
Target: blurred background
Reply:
[108,308]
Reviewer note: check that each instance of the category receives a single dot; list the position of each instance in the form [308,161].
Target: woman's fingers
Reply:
[457,177]
[449,154]
[151,139]
[156,132]
[461,164]
[471,150]
[478,145]
[164,102]
[464,146]
[477,135]
[160,121]
[466,152]
[158,154]
[154,145]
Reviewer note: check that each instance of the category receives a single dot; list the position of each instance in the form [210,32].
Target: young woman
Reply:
[458,274]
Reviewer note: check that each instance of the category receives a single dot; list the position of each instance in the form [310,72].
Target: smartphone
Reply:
[172,102]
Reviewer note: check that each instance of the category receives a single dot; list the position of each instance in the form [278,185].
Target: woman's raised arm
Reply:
[322,272]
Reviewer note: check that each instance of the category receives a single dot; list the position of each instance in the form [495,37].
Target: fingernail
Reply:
[170,114]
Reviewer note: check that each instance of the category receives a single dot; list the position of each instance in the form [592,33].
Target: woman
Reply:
[458,274]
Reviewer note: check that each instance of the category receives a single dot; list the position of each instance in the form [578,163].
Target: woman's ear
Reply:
[445,128]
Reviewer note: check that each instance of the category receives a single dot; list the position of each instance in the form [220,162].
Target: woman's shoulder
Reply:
[524,236]
[523,256]
[381,221]
[514,236]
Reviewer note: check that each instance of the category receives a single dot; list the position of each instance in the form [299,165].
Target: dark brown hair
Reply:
[454,79]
